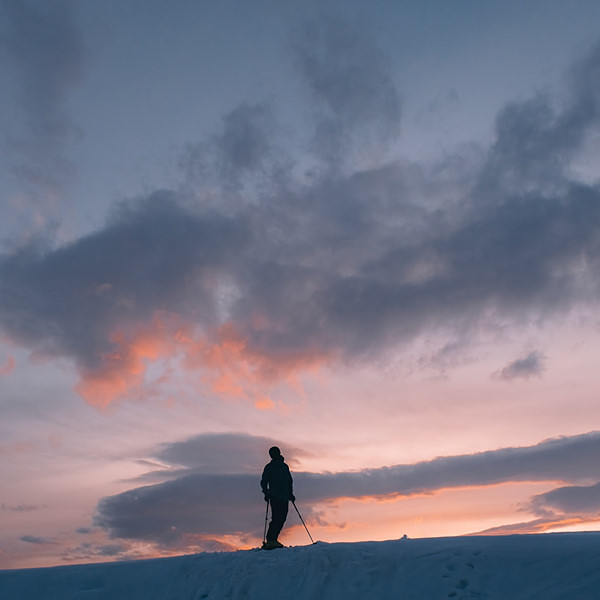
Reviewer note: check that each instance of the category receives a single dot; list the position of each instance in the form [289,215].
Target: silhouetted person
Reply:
[277,486]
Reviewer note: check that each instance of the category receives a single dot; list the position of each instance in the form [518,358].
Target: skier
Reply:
[277,486]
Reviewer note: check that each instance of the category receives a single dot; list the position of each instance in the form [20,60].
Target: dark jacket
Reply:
[276,481]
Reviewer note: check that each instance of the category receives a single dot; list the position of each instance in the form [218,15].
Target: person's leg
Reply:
[279,511]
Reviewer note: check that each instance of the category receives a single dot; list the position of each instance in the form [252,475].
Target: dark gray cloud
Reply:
[87,551]
[48,58]
[218,504]
[533,364]
[152,256]
[338,267]
[84,530]
[222,453]
[166,513]
[207,476]
[244,153]
[536,140]
[349,77]
[581,500]
[564,459]
[563,506]
[34,539]
[110,549]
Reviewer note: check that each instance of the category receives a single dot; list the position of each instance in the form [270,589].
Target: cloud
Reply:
[243,151]
[210,504]
[350,80]
[533,364]
[564,459]
[84,530]
[211,490]
[167,513]
[536,526]
[111,550]
[9,366]
[223,453]
[19,507]
[98,551]
[536,141]
[559,508]
[92,299]
[213,454]
[34,539]
[47,53]
[568,500]
[16,448]
[333,269]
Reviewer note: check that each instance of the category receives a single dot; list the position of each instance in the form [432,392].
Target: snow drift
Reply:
[528,567]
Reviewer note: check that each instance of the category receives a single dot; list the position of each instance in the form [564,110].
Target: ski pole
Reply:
[303,523]
[266,519]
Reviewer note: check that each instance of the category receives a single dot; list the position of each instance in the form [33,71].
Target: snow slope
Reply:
[548,567]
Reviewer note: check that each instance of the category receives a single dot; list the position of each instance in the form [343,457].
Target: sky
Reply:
[366,233]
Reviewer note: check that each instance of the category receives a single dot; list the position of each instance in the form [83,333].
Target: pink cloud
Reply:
[16,448]
[9,366]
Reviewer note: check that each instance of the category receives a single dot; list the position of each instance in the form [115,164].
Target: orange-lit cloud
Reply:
[225,362]
[541,525]
[123,369]
[233,368]
[264,403]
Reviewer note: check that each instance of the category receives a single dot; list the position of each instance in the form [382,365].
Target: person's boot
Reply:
[271,545]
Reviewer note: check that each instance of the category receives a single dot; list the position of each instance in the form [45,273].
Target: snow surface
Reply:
[546,566]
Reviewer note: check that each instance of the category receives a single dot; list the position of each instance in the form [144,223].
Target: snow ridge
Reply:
[520,567]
